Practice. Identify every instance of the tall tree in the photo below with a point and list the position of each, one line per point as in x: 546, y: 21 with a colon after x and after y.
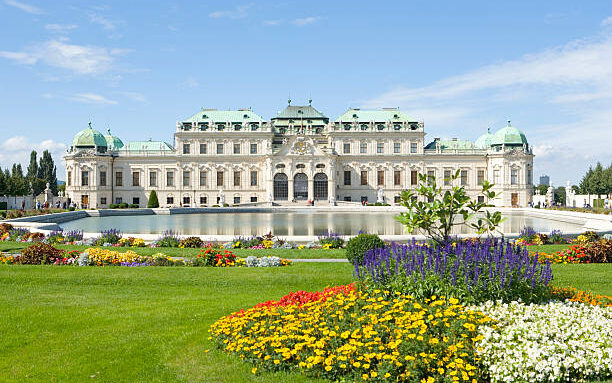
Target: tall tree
x: 598, y: 181
x: 585, y: 183
x: 18, y: 184
x: 36, y: 183
x: 47, y: 171
x: 3, y: 183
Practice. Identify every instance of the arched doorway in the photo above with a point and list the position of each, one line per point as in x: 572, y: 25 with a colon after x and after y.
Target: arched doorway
x: 300, y: 186
x: 320, y: 186
x: 281, y: 187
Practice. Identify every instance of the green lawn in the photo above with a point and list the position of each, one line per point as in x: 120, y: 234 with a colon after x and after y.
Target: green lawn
x: 284, y: 253
x: 119, y: 324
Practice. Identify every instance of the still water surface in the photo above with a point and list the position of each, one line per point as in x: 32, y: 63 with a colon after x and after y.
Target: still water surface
x: 297, y: 223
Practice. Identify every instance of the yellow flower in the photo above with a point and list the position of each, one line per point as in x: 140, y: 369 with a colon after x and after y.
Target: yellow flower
x: 254, y: 370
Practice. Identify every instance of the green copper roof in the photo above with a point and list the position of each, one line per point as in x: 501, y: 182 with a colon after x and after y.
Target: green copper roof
x: 510, y: 136
x: 297, y: 112
x: 88, y: 138
x: 213, y: 115
x: 113, y: 142
x: 484, y: 141
x: 147, y: 146
x: 452, y: 144
x: 383, y: 115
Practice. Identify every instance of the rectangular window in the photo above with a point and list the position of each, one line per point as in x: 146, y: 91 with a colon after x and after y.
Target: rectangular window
x: 203, y: 200
x: 480, y: 199
x: 529, y: 176
x: 169, y: 200
x: 347, y: 198
x: 84, y: 178
x: 396, y: 147
x: 396, y: 199
x: 464, y: 177
x: 219, y: 148
x: 513, y: 177
x: 236, y: 148
x: 397, y: 177
x: 447, y: 177
x: 186, y: 201
x: 254, y: 178
x: 413, y: 147
x: 236, y: 178
x: 186, y: 148
x: 186, y: 178
x: 152, y: 178
x: 380, y: 147
x: 431, y: 177
x: 170, y: 178
x: 480, y: 177
x: 219, y: 178
x: 380, y: 177
x: 103, y: 201
x: 347, y: 148
x: 496, y: 176
x: 203, y: 178
x: 236, y: 200
x: 136, y: 201
x: 102, y: 178
x: 135, y: 178
x: 253, y: 199
x: 253, y: 148
x: 414, y: 177
x: 119, y: 178
x: 203, y: 148
x: 347, y: 177
x: 363, y: 147
x: 118, y: 200
x: 364, y: 177
x: 69, y: 178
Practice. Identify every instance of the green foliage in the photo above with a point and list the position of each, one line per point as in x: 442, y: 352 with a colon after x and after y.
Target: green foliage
x: 133, y: 206
x: 597, y: 181
x: 357, y: 246
x: 153, y: 202
x: 123, y: 205
x: 39, y: 253
x: 435, y: 212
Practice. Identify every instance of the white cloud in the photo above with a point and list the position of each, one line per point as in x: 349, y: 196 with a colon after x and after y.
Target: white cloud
x: 80, y: 59
x: 239, y: 12
x: 92, y: 98
x: 24, y: 7
x: 17, y: 149
x: 562, y: 97
x: 305, y: 21
x: 96, y: 18
x: 60, y: 28
x: 134, y: 96
x: 272, y: 22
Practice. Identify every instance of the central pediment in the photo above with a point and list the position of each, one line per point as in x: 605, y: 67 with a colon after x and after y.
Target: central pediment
x: 300, y: 146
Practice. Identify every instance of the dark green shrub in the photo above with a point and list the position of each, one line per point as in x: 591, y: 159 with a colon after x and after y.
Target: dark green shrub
x: 153, y: 202
x: 226, y: 205
x: 191, y: 242
x: 357, y: 246
x: 113, y: 206
x: 599, y: 251
x: 39, y: 253
x: 71, y: 208
x: 134, y: 206
x: 123, y: 205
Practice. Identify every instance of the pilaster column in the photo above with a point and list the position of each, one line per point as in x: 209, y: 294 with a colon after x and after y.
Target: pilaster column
x: 331, y: 189
x: 311, y: 188
x: 290, y: 189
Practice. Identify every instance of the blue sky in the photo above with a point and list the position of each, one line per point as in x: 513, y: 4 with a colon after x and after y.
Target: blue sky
x: 139, y: 66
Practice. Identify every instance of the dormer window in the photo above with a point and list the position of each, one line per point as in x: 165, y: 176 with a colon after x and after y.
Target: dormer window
x: 395, y: 116
x: 380, y: 127
x: 204, y: 117
x: 291, y: 121
x: 237, y: 127
x: 354, y: 115
x: 413, y: 126
x: 204, y: 126
x: 253, y: 126
x: 245, y: 116
x: 220, y: 127
x: 347, y: 127
x: 397, y: 126
x: 364, y: 127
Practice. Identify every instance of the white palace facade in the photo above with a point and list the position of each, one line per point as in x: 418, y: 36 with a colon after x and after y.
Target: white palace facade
x: 237, y: 157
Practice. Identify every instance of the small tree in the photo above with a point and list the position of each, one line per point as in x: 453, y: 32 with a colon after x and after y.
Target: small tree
x: 153, y: 202
x: 435, y: 211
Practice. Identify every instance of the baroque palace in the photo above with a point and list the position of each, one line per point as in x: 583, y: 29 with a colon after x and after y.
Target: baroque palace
x: 237, y: 157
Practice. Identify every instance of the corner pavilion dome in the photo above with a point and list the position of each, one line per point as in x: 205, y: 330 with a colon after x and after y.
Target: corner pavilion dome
x: 112, y: 142
x: 89, y: 139
x: 484, y: 141
x: 509, y: 136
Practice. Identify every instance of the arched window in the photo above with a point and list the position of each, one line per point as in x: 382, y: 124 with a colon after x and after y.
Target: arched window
x: 397, y: 127
x: 380, y: 127
x: 300, y: 186
x: 281, y: 187
x: 364, y: 126
x: 237, y: 127
x: 320, y: 186
x: 347, y: 126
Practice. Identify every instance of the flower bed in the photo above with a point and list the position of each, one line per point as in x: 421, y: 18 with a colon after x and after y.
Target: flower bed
x: 552, y: 342
x: 353, y: 335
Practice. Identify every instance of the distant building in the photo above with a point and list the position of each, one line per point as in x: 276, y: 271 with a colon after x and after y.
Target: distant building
x: 545, y: 180
x: 299, y: 154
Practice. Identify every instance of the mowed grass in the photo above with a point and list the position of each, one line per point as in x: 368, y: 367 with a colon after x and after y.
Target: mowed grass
x: 283, y: 253
x: 119, y: 324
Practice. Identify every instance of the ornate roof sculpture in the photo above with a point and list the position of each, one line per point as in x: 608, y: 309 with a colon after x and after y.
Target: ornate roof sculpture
x: 112, y: 142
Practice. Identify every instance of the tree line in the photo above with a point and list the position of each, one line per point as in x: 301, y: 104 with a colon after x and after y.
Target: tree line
x: 14, y: 182
x: 597, y: 180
